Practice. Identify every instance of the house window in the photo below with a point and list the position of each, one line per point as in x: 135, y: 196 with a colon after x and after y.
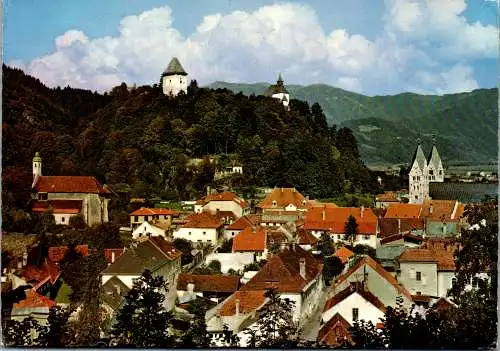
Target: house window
x: 419, y: 276
x: 43, y: 196
x: 440, y: 172
x: 62, y: 219
x: 366, y: 237
x: 355, y: 314
x: 204, y: 233
x: 189, y: 233
x: 136, y: 218
x: 453, y: 281
x: 233, y: 233
x: 419, y: 293
x: 431, y: 172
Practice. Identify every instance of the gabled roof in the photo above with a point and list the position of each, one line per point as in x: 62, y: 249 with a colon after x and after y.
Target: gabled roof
x: 113, y: 292
x: 204, y: 220
x: 404, y: 211
x: 441, y: 210
x: 149, y: 254
x: 282, y: 271
x: 250, y: 239
x: 443, y: 304
x: 225, y: 196
x: 144, y: 211
x: 355, y: 287
x: 69, y: 184
x: 47, y: 271
x: 434, y: 158
x: 367, y: 260
x: 174, y: 67
x: 344, y: 254
x: 417, y: 255
x: 283, y: 197
x: 34, y: 300
x: 305, y: 237
x: 58, y: 206
x: 240, y: 224
x: 333, y: 219
x: 249, y: 301
x: 419, y: 158
x: 334, y: 332
x: 209, y: 283
x: 443, y: 251
x: 315, y: 203
x: 56, y: 254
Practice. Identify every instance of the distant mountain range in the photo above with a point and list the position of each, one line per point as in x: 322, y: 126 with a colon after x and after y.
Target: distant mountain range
x: 464, y: 125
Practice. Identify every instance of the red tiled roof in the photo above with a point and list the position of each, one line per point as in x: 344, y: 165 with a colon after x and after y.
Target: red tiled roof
x: 306, y: 238
x: 388, y: 196
x: 209, y: 283
x: 144, y: 211
x: 283, y: 198
x: 334, y: 332
x: 69, y: 184
x: 250, y: 239
x: 241, y: 223
x: 108, y: 254
x: 443, y: 251
x: 204, y: 220
x: 249, y: 301
x: 34, y: 300
x: 58, y: 206
x: 56, y: 254
x: 282, y: 271
x: 404, y: 211
x: 47, y: 271
x: 225, y: 196
x: 354, y: 287
x: 417, y: 255
x: 334, y: 219
x: 275, y: 237
x: 314, y: 203
x: 377, y: 268
x: 344, y: 254
x: 441, y: 209
x: 391, y: 226
x: 167, y: 248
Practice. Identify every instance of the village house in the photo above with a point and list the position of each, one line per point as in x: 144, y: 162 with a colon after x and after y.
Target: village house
x: 213, y: 287
x: 344, y: 254
x: 282, y: 199
x: 35, y: 305
x: 241, y: 223
x: 332, y: 221
x: 225, y: 201
x: 202, y: 227
x: 252, y: 239
x: 386, y: 199
x: 68, y: 196
x: 151, y: 228
x: 296, y: 274
x: 145, y: 214
x: 155, y: 254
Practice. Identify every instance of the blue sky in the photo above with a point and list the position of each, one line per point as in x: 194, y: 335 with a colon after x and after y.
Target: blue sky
x: 369, y: 46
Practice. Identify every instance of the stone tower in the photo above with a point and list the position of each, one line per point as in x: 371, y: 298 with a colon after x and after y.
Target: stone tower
x: 435, y: 167
x: 37, y: 165
x: 418, y: 179
x: 174, y: 78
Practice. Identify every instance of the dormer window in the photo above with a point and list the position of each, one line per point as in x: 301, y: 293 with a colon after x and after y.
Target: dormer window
x: 275, y: 203
x: 43, y: 196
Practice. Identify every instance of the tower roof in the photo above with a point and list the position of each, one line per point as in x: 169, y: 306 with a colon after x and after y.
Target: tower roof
x: 277, y: 88
x: 419, y: 157
x: 174, y: 67
x: 434, y: 158
x: 37, y: 157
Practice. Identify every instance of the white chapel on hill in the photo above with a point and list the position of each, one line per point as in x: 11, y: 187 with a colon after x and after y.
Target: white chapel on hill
x: 278, y: 91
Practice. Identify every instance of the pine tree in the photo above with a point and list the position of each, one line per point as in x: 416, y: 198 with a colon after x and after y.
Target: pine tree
x: 351, y: 230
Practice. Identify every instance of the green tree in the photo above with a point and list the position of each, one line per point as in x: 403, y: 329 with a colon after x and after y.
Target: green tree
x: 227, y: 246
x: 332, y: 267
x: 326, y: 245
x: 143, y: 320
x: 21, y: 333
x: 196, y: 335
x: 274, y: 327
x: 185, y: 247
x: 57, y: 333
x: 215, y: 266
x: 351, y: 230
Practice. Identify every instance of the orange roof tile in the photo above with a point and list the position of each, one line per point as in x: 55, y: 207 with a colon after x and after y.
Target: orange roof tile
x: 69, y: 184
x: 404, y: 211
x: 204, y: 220
x: 108, y: 254
x: 417, y: 255
x: 249, y: 301
x: 250, y: 239
x: 388, y: 196
x: 377, y: 268
x: 225, y: 196
x: 241, y: 223
x: 443, y: 251
x: 439, y: 209
x: 144, y: 211
x: 283, y: 197
x: 315, y: 203
x: 34, y: 300
x: 47, y: 271
x: 335, y: 332
x: 344, y: 254
x: 334, y: 219
x: 209, y: 283
x: 56, y: 254
x: 282, y: 271
x: 58, y: 206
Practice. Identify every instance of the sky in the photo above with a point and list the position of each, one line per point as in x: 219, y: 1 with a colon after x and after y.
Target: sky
x: 372, y: 47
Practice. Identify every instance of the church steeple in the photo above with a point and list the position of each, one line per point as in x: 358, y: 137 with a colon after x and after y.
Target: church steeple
x: 280, y: 80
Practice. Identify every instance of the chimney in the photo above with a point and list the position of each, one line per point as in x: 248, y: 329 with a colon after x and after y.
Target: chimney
x: 362, y: 210
x: 399, y: 225
x: 430, y: 209
x: 237, y: 306
x: 302, y: 266
x: 323, y: 214
x: 112, y: 256
x: 190, y: 287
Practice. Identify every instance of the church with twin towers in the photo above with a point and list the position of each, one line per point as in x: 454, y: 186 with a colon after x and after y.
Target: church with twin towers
x: 424, y: 171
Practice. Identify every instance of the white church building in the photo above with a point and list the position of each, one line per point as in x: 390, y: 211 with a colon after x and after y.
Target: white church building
x: 174, y: 79
x: 422, y: 173
x: 278, y: 91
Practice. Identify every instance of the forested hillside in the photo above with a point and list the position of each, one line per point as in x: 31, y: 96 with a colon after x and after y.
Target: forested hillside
x: 140, y: 141
x: 464, y: 125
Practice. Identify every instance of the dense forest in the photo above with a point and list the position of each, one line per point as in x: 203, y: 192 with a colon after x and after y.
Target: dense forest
x: 138, y: 141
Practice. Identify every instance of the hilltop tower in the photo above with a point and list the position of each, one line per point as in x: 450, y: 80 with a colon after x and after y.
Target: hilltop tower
x: 174, y: 78
x: 418, y: 180
x: 278, y: 91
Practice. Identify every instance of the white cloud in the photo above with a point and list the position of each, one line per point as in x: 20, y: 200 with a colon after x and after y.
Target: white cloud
x: 288, y: 38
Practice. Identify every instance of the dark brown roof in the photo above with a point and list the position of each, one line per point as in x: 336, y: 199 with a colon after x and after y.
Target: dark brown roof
x: 69, y: 184
x: 113, y: 292
x: 406, y: 236
x: 209, y: 283
x: 355, y: 287
x: 391, y: 226
x: 282, y: 271
x: 334, y: 332
x: 306, y: 238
